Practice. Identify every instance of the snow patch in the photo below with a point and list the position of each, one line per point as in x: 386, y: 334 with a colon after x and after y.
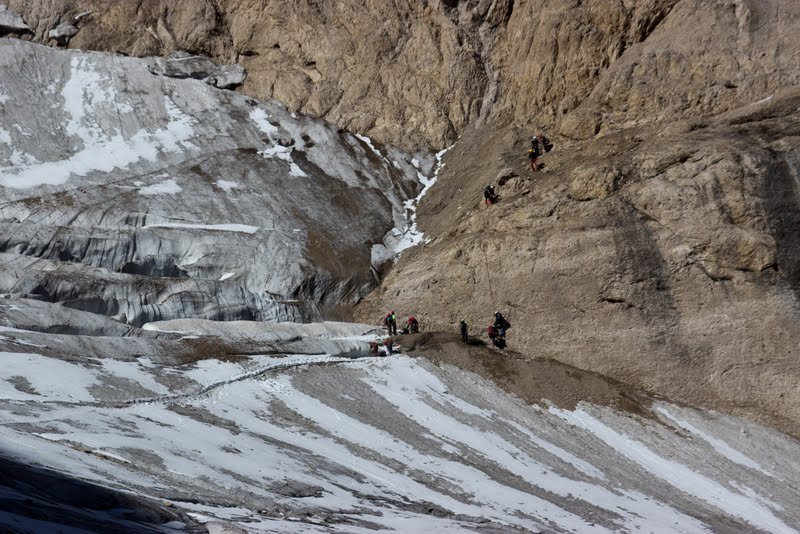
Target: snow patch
x: 226, y: 276
x: 167, y: 187
x: 278, y: 151
x: 243, y: 228
x: 679, y: 476
x: 367, y: 141
x: 259, y: 116
x: 723, y: 448
x: 226, y: 185
x: 84, y: 93
x: 50, y: 378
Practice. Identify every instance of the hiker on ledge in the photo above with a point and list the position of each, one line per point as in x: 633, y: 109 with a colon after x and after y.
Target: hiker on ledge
x: 463, y: 327
x: 489, y: 196
x: 539, y: 145
x: 413, y: 325
x: 390, y: 322
x: 500, y: 324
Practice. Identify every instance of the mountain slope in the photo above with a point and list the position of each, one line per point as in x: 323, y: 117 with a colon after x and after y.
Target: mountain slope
x: 324, y: 443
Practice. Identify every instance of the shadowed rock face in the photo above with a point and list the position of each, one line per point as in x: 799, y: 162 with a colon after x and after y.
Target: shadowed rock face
x: 145, y: 198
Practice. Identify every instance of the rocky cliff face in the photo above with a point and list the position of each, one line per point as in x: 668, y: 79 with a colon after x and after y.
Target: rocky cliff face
x: 662, y: 257
x: 657, y: 246
x: 418, y: 73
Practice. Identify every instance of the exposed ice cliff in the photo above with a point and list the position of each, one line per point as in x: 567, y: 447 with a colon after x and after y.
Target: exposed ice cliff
x: 145, y: 197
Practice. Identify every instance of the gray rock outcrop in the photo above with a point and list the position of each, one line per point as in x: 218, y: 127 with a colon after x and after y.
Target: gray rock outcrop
x: 11, y: 23
x: 63, y: 33
x: 182, y: 65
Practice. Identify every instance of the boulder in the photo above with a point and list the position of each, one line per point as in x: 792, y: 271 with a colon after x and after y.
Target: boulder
x: 63, y: 33
x: 505, y: 175
x: 11, y: 23
x: 182, y: 65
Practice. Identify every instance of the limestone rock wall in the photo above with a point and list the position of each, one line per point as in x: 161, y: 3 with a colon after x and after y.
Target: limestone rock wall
x: 665, y: 258
x: 418, y: 73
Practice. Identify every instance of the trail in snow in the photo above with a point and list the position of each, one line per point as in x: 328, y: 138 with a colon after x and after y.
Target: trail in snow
x: 293, y: 362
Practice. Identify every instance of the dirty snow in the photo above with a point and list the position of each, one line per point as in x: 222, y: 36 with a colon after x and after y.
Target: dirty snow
x: 167, y: 187
x: 244, y: 228
x: 407, y: 235
x: 721, y: 446
x: 753, y: 511
x: 369, y: 433
x: 226, y: 185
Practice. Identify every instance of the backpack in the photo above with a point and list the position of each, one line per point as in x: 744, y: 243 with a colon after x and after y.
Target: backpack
x: 548, y: 145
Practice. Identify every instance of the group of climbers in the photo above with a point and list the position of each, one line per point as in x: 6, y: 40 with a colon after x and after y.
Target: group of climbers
x: 540, y: 145
x: 390, y: 323
x: 496, y: 330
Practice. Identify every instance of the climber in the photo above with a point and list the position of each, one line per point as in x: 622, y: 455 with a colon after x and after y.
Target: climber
x: 539, y: 143
x: 413, y: 325
x: 489, y: 196
x: 494, y: 335
x: 373, y: 348
x: 500, y: 324
x: 390, y: 322
x: 534, y: 152
x: 389, y: 344
x: 463, y: 327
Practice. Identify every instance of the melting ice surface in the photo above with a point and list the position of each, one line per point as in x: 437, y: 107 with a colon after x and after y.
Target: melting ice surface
x: 377, y: 441
x: 406, y: 234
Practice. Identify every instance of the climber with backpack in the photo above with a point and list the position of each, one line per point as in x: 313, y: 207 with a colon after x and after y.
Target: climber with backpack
x: 539, y: 145
x: 501, y: 324
x: 494, y: 335
x: 489, y: 196
x: 412, y: 325
x: 390, y: 322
